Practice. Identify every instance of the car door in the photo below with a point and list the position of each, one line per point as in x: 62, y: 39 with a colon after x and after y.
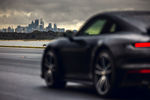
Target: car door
x: 77, y: 53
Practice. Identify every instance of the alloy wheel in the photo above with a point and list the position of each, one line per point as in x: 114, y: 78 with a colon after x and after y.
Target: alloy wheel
x: 103, y: 73
x: 49, y: 68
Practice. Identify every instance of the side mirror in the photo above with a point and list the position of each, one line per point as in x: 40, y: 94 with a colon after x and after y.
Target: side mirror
x: 69, y: 35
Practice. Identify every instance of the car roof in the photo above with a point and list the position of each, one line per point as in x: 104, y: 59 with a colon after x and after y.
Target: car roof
x: 139, y: 19
x: 125, y: 19
x: 126, y: 13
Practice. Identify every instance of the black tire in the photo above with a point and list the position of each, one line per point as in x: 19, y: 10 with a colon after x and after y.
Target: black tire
x: 105, y: 74
x: 51, y: 71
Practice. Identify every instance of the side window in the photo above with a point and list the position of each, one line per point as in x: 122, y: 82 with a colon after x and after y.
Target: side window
x: 113, y: 28
x: 95, y: 28
x: 110, y: 27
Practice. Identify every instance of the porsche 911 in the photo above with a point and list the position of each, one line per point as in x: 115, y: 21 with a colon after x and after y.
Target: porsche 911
x: 110, y: 51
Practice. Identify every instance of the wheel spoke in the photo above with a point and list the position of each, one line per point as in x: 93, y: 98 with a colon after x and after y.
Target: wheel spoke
x: 103, y: 84
x: 49, y: 61
x: 104, y: 72
x: 106, y: 84
x: 99, y: 67
x: 108, y: 72
x: 100, y: 83
x: 97, y: 72
x: 108, y: 66
x: 50, y: 54
x: 49, y: 77
x: 49, y: 66
x: 49, y: 71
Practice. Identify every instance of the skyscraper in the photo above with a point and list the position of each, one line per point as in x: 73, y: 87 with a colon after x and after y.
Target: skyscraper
x: 36, y: 23
x: 41, y: 22
x: 49, y: 28
x: 41, y: 25
x: 55, y: 28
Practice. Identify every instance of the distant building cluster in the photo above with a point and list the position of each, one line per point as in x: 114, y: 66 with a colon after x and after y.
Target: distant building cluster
x: 35, y: 25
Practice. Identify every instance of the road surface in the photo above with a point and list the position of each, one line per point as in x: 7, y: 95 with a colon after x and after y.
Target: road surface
x: 20, y: 80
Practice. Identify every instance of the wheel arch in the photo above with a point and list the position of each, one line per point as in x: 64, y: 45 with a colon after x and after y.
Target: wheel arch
x: 49, y: 47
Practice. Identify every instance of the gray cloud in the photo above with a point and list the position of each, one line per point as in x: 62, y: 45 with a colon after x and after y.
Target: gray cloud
x: 66, y: 12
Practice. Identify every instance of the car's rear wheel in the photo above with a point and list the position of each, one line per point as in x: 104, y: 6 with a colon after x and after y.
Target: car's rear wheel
x: 104, y: 74
x: 51, y: 71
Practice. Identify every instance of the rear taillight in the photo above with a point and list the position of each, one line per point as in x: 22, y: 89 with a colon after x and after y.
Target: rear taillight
x: 140, y: 45
x: 142, y: 71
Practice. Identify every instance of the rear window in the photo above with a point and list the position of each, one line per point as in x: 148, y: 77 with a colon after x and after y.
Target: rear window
x: 142, y: 18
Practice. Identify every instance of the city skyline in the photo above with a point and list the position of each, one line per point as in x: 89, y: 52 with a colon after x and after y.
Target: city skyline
x: 37, y: 24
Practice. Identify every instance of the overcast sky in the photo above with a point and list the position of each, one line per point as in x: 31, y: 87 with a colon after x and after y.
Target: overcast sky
x: 70, y: 14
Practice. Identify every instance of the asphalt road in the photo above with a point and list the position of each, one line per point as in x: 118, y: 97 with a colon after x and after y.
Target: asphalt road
x: 20, y: 80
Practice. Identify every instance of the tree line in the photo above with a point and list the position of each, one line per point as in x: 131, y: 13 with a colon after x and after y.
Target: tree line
x: 36, y: 35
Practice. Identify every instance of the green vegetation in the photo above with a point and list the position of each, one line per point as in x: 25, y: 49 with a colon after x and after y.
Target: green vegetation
x: 36, y: 35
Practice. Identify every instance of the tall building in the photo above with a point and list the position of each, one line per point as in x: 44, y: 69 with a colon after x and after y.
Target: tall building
x: 36, y: 23
x: 30, y: 27
x: 49, y: 28
x: 42, y: 22
x: 55, y: 28
x: 18, y: 29
x: 50, y: 25
x: 10, y: 29
x: 41, y: 25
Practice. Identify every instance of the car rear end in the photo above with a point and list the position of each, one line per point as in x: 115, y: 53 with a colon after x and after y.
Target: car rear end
x: 136, y: 64
x: 135, y: 58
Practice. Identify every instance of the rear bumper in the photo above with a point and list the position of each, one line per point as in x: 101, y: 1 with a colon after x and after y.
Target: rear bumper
x: 135, y: 75
x: 130, y: 63
x: 136, y: 80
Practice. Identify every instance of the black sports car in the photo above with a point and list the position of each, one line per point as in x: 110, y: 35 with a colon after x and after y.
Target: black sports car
x: 110, y: 51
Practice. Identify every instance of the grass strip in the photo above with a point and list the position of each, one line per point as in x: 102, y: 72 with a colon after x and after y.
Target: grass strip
x: 21, y: 46
x: 26, y: 40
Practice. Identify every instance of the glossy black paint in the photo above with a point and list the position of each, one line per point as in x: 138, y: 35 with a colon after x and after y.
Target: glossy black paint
x: 76, y: 56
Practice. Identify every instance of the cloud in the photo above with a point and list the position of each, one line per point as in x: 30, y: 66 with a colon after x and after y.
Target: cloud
x: 63, y: 12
